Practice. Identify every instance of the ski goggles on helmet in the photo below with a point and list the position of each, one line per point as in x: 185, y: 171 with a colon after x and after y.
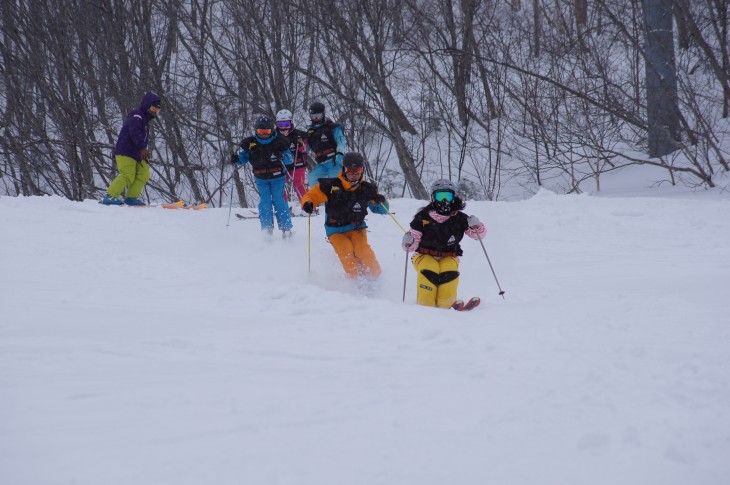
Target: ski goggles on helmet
x: 443, y: 195
x: 316, y: 117
x: 354, y: 170
x: 157, y: 104
x: 284, y: 125
x: 263, y: 132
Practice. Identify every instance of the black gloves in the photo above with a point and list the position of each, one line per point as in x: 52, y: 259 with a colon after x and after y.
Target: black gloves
x: 308, y: 207
x: 234, y: 158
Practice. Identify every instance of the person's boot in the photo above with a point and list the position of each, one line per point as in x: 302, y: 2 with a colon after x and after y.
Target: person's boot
x: 109, y: 200
x: 134, y: 201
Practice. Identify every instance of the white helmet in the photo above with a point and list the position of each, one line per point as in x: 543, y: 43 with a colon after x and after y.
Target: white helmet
x: 284, y: 115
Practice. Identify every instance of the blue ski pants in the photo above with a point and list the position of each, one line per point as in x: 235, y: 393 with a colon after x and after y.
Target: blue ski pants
x: 271, y: 195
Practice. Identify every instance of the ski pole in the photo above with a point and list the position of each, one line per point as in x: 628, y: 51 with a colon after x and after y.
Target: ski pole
x: 501, y: 291
x: 405, y: 275
x: 392, y: 217
x: 230, y: 203
x: 288, y: 178
x: 294, y: 173
x: 309, y: 243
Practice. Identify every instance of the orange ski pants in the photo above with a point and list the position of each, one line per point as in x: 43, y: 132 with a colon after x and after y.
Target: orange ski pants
x: 356, y: 255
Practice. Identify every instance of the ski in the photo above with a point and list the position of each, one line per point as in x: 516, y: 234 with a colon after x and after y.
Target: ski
x: 181, y: 205
x: 173, y: 205
x: 147, y: 206
x: 196, y: 207
x: 460, y: 306
x: 255, y: 215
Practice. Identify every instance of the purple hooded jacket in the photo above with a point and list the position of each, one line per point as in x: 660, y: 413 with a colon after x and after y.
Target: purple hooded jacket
x: 135, y: 132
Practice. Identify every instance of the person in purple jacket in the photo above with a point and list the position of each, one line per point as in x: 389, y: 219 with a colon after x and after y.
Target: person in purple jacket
x: 131, y: 153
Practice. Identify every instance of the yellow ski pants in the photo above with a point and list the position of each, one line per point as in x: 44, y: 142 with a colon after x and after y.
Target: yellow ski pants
x: 132, y: 174
x: 438, y: 280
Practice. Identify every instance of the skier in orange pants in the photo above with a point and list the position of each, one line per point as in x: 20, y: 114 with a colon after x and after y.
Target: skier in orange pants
x: 347, y: 199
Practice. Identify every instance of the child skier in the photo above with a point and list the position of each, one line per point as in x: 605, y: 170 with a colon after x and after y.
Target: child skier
x: 298, y: 147
x: 270, y: 159
x: 347, y: 199
x: 435, y: 233
x: 326, y: 142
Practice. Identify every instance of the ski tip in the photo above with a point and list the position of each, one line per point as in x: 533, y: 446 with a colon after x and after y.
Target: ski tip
x: 458, y: 305
x: 462, y: 306
x: 472, y: 303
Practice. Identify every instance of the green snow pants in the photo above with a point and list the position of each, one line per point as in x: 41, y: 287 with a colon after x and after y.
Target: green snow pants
x: 132, y: 174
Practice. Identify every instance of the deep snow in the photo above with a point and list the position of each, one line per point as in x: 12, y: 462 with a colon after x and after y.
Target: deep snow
x: 147, y: 346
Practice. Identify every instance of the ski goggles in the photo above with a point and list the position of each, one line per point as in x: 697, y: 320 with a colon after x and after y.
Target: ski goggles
x: 284, y: 125
x: 354, y: 170
x: 443, y: 195
x: 263, y: 132
x: 316, y: 117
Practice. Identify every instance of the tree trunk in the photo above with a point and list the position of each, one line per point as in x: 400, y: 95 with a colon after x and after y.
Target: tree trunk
x: 661, y: 79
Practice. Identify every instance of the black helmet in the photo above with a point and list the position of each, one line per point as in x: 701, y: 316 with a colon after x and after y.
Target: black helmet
x: 443, y: 192
x: 353, y: 160
x: 264, y: 123
x: 316, y: 108
x: 353, y: 165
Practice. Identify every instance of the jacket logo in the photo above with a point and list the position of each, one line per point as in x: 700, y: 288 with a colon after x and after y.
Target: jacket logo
x: 251, y: 145
x: 324, y: 137
x: 452, y: 240
x: 357, y: 206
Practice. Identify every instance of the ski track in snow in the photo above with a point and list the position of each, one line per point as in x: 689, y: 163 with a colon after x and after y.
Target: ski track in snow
x: 150, y: 346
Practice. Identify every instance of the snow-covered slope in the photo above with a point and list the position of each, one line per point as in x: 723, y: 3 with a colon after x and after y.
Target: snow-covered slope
x: 146, y: 346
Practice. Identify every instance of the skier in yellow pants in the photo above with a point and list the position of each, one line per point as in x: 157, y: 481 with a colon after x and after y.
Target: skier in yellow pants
x: 132, y: 174
x: 435, y: 233
x: 438, y: 280
x: 131, y: 153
